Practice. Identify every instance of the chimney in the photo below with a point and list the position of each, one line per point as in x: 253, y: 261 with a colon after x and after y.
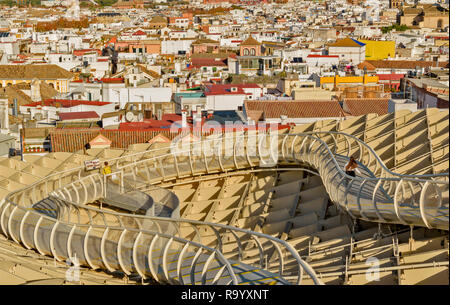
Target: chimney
x: 35, y: 90
x: 197, y: 116
x: 4, y: 123
x: 183, y: 118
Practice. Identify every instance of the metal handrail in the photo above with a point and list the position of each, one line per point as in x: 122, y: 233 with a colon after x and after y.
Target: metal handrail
x: 229, y: 229
x: 312, y: 159
x: 370, y: 149
x: 91, y: 226
x: 81, y: 168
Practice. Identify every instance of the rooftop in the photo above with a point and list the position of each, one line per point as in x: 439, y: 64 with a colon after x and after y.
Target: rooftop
x: 40, y: 71
x: 67, y: 116
x: 296, y: 109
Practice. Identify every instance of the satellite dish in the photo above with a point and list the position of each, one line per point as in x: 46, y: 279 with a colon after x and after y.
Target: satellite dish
x: 129, y: 116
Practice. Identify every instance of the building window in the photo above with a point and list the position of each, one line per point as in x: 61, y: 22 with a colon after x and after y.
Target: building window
x: 245, y: 52
x: 253, y: 52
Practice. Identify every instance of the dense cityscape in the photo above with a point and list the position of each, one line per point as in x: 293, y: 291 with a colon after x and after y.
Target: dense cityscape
x: 96, y: 97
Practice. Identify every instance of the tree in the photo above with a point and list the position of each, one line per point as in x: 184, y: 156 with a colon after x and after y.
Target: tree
x: 397, y: 27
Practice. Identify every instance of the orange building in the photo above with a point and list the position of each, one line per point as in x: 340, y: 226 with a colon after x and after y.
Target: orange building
x: 250, y: 47
x: 331, y: 82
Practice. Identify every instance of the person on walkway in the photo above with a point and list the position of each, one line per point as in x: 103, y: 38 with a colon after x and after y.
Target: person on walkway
x: 351, y: 167
x: 106, y: 169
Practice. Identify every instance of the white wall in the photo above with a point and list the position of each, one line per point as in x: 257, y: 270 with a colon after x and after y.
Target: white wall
x: 149, y: 95
x: 173, y: 46
x: 224, y: 102
x: 353, y: 54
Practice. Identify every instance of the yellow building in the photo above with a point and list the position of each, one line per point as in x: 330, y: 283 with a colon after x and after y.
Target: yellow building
x: 329, y: 82
x: 376, y: 50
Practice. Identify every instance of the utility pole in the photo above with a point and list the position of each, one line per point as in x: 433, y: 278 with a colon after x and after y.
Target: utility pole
x: 21, y: 141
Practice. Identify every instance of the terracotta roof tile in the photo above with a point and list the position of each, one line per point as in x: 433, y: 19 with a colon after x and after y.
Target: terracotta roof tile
x: 362, y: 106
x: 398, y: 64
x: 347, y: 42
x: 296, y: 109
x: 64, y: 116
x: 45, y: 71
x: 250, y: 42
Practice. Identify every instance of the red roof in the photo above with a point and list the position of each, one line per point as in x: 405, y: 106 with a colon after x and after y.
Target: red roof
x: 112, y: 40
x: 82, y: 52
x: 362, y: 106
x: 65, y: 103
x: 64, y: 116
x: 293, y: 109
x: 115, y: 80
x: 225, y: 89
x: 171, y: 117
x: 139, y: 33
x: 147, y: 124
x: 207, y: 62
x: 111, y: 80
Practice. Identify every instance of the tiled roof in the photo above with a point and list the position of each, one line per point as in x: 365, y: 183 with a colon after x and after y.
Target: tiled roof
x: 362, y: 106
x: 139, y: 33
x: 47, y: 91
x: 64, y: 116
x: 347, y: 42
x: 250, y: 42
x: 222, y: 90
x: 45, y: 71
x: 82, y: 52
x: 207, y: 62
x: 65, y: 103
x: 225, y: 89
x: 398, y: 64
x: 295, y: 109
x: 205, y: 40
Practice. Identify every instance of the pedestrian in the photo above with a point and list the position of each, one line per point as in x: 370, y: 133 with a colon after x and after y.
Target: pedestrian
x: 351, y: 167
x: 106, y: 169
